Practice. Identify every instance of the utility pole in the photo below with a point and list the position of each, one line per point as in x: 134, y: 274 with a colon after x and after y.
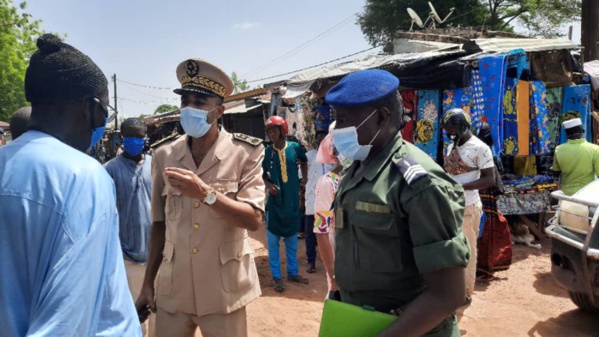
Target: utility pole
x: 590, y: 29
x: 116, y: 111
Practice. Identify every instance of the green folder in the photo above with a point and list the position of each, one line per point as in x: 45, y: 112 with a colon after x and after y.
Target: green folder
x: 346, y: 320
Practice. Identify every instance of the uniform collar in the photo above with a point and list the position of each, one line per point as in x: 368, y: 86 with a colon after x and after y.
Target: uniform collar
x: 214, y: 155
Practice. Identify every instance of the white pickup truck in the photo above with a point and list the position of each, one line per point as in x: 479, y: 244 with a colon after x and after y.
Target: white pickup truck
x: 574, y: 232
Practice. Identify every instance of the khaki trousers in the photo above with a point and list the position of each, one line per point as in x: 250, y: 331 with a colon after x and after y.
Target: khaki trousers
x: 135, y: 278
x: 470, y: 228
x: 215, y: 325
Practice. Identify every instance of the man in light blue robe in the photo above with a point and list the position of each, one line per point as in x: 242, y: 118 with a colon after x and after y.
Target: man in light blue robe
x: 61, y: 271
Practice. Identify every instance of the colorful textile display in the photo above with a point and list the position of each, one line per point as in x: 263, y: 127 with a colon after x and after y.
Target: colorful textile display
x: 554, y: 112
x: 510, y: 118
x: 492, y: 73
x: 523, y: 111
x: 577, y: 104
x: 526, y: 203
x: 539, y: 124
x: 322, y: 117
x: 409, y: 98
x: 427, y: 125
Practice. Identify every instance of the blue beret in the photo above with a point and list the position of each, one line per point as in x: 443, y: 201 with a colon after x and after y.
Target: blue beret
x: 362, y: 88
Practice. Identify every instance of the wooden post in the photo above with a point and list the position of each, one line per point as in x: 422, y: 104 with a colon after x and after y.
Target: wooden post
x: 570, y: 30
x: 590, y: 29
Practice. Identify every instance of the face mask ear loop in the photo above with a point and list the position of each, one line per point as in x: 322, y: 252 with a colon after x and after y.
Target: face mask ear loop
x: 367, y: 118
x: 373, y: 138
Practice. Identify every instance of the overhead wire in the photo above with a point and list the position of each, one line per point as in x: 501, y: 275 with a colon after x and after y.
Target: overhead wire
x: 311, y: 67
x: 302, y: 46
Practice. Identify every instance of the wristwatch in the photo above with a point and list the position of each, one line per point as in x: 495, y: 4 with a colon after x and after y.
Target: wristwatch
x: 210, y: 197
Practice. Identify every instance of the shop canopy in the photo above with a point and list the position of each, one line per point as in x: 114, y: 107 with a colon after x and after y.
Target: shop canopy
x: 415, y: 70
x: 445, y: 68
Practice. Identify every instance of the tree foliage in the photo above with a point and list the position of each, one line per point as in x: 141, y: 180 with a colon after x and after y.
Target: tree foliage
x: 165, y: 108
x: 542, y: 18
x: 18, y: 34
x: 382, y: 19
x: 239, y: 85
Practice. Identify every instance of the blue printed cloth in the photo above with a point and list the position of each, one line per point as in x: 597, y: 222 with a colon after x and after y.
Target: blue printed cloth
x: 577, y: 104
x: 492, y: 74
x: 541, y: 139
x: 322, y: 117
x: 470, y: 99
x: 427, y: 126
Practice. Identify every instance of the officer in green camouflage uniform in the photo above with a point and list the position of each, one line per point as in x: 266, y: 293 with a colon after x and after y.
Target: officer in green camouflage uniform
x: 399, y: 243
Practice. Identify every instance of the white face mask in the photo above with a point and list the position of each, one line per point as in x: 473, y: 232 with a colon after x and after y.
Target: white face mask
x: 346, y: 142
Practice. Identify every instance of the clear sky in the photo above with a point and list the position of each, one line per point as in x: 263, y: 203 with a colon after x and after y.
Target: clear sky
x: 144, y: 41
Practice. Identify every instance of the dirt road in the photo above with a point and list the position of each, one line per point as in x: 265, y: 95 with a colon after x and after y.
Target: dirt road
x: 524, y: 301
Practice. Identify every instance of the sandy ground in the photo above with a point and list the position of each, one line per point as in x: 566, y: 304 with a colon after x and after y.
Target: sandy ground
x: 524, y: 301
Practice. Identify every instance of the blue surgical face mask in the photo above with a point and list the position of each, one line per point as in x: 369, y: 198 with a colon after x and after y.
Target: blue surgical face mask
x: 97, y: 134
x: 133, y: 145
x: 195, y: 121
x: 346, y: 142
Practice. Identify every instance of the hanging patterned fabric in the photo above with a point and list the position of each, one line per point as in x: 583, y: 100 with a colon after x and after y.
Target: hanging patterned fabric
x: 554, y: 112
x: 322, y: 117
x: 539, y: 125
x: 510, y: 118
x: 523, y: 111
x: 518, y: 61
x: 470, y: 99
x: 492, y: 74
x: 427, y: 124
x: 410, y: 114
x: 577, y: 105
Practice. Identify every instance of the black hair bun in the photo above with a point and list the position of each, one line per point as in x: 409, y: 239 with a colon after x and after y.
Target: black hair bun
x: 49, y: 43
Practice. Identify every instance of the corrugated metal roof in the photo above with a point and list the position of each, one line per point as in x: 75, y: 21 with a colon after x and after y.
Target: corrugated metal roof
x: 368, y: 62
x: 502, y: 45
x: 241, y: 109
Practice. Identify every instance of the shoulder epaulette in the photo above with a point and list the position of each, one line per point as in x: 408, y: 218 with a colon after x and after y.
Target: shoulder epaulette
x: 165, y: 140
x: 409, y: 168
x: 242, y: 137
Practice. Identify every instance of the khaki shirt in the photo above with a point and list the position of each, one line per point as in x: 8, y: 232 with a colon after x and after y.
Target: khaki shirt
x: 208, y: 264
x: 398, y: 218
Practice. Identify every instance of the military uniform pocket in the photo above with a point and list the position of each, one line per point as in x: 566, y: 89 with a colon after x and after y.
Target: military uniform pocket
x: 174, y: 203
x: 378, y: 245
x: 165, y: 275
x: 237, y: 270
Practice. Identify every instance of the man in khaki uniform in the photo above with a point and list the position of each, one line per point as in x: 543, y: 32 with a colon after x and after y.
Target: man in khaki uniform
x: 207, y: 192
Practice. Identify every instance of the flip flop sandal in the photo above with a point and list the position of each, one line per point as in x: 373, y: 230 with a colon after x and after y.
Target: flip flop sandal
x: 298, y: 279
x: 279, y: 286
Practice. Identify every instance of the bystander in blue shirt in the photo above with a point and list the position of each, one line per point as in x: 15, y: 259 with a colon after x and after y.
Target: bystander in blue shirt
x: 133, y: 183
x: 61, y: 271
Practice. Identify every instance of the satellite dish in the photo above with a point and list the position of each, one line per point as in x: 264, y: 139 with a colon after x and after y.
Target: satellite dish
x: 436, y: 16
x: 415, y: 19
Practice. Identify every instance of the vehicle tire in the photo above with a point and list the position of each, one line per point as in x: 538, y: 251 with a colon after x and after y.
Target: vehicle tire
x: 583, y: 302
